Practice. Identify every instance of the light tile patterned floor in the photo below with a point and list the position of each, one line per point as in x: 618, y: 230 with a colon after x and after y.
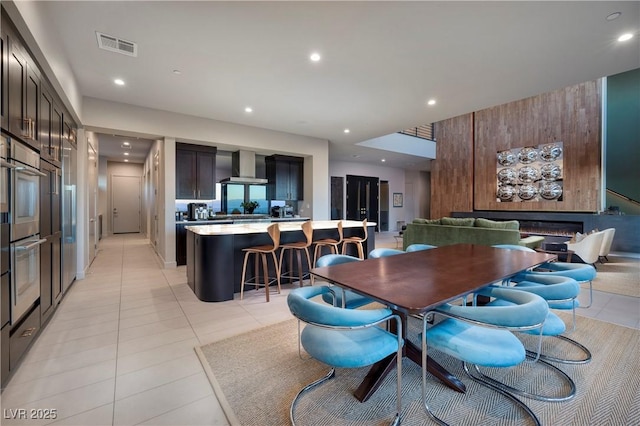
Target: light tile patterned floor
x: 119, y: 349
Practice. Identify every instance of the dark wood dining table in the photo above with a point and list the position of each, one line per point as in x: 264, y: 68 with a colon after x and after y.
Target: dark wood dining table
x: 417, y: 282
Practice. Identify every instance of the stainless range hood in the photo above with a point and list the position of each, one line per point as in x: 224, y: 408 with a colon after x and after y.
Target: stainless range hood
x: 243, y: 169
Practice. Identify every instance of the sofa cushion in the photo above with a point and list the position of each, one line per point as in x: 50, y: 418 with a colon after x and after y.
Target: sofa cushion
x: 427, y: 221
x: 457, y: 221
x: 494, y: 224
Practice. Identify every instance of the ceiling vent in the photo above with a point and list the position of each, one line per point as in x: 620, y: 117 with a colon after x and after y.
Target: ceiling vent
x: 115, y: 44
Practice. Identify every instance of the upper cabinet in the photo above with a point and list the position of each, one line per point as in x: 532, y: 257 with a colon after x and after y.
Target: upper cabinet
x: 195, y: 172
x: 23, y: 94
x: 285, y: 175
x: 4, y: 60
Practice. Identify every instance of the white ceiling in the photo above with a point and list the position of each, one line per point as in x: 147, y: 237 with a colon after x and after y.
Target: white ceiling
x: 381, y: 61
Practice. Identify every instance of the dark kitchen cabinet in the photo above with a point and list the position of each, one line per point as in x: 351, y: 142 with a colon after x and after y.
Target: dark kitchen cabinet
x: 23, y: 94
x: 285, y: 175
x: 4, y: 60
x: 50, y: 126
x: 195, y: 172
x: 50, y: 251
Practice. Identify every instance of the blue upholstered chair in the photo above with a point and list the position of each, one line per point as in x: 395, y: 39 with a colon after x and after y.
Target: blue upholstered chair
x: 418, y: 247
x: 578, y: 271
x: 344, y: 338
x: 560, y: 292
x: 344, y: 298
x: 481, y: 336
x: 383, y: 252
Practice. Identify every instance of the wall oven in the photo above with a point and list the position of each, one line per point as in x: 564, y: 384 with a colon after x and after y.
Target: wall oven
x: 25, y: 275
x: 25, y: 191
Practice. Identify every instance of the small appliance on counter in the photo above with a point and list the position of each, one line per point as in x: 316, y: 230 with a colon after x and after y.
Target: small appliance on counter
x: 197, y: 211
x: 282, y: 211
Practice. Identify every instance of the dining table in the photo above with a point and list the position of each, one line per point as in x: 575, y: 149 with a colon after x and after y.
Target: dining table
x: 415, y: 283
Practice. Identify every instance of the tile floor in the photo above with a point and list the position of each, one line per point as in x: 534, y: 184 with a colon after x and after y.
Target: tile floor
x: 119, y: 348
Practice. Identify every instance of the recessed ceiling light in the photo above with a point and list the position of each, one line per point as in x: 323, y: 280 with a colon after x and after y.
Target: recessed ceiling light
x: 383, y: 160
x: 177, y: 72
x: 431, y: 102
x: 315, y: 57
x: 625, y: 37
x: 347, y: 130
x: 119, y: 81
x: 355, y: 156
x: 126, y: 160
x: 126, y: 153
x: 125, y: 143
x: 248, y: 109
x: 613, y: 16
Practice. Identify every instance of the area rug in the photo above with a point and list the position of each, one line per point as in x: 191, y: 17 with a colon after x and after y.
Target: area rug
x: 620, y: 275
x: 257, y: 374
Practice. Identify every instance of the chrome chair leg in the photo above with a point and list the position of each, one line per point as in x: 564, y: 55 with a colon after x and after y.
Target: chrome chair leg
x: 330, y: 375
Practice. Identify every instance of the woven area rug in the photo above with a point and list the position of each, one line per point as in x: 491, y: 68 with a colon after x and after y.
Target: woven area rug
x: 620, y: 275
x: 257, y: 374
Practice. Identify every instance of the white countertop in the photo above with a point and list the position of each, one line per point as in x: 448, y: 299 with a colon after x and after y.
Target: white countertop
x: 256, y: 228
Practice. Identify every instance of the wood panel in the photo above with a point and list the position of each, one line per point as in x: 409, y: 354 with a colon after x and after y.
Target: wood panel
x: 452, y: 170
x: 571, y: 115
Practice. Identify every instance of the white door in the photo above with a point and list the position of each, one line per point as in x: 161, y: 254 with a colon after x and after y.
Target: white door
x: 125, y: 203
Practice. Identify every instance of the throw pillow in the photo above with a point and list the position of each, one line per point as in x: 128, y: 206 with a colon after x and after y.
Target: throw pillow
x: 494, y: 224
x: 457, y: 221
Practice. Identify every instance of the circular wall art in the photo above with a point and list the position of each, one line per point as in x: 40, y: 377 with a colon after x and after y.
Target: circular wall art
x: 507, y: 158
x: 528, y: 174
x: 550, y: 191
x: 507, y: 176
x: 550, y: 152
x: 506, y: 192
x: 550, y: 171
x: 527, y: 192
x: 528, y: 155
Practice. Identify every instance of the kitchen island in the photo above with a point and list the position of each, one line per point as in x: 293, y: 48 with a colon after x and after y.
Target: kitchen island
x: 181, y: 231
x: 215, y: 256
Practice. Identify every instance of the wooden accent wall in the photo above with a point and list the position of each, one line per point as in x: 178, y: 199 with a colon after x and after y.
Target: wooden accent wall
x: 463, y: 176
x: 571, y: 115
x: 452, y: 171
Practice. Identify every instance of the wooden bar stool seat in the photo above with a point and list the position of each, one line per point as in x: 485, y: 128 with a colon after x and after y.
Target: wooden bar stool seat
x: 298, y: 247
x: 332, y: 243
x: 261, y: 252
x: 357, y: 241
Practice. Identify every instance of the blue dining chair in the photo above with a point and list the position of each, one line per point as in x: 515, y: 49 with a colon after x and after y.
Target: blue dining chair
x: 344, y: 298
x: 383, y: 252
x: 344, y: 338
x: 560, y: 293
x: 580, y: 272
x: 481, y: 336
x: 418, y: 247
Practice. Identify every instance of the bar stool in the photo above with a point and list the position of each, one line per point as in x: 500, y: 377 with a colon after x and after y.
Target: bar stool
x: 332, y: 243
x: 299, y: 246
x: 274, y: 232
x: 357, y: 241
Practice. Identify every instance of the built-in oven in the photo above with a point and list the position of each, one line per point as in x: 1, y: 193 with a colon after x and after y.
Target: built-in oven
x: 25, y: 275
x: 25, y: 191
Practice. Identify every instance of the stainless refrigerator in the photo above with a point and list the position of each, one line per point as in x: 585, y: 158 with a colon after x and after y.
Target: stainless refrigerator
x: 69, y: 209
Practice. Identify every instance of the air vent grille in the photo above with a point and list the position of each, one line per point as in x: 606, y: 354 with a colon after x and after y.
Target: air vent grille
x: 115, y: 44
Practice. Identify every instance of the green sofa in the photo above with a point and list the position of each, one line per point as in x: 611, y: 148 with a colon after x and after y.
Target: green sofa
x: 447, y: 231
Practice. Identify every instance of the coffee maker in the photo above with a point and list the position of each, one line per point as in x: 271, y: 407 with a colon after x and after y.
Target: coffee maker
x: 197, y: 211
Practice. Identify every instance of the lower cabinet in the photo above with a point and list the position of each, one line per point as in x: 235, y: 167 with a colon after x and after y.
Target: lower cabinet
x: 50, y: 274
x: 4, y: 355
x: 22, y: 336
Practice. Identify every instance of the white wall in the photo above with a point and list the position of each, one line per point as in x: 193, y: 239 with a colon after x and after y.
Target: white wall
x: 103, y: 179
x: 395, y: 176
x: 418, y: 188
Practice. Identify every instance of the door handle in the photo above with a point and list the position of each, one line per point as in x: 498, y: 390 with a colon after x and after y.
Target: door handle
x: 29, y: 171
x: 6, y: 164
x: 32, y: 245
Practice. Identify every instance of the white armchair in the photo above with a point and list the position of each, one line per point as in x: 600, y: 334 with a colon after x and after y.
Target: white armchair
x: 588, y: 248
x: 606, y: 243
